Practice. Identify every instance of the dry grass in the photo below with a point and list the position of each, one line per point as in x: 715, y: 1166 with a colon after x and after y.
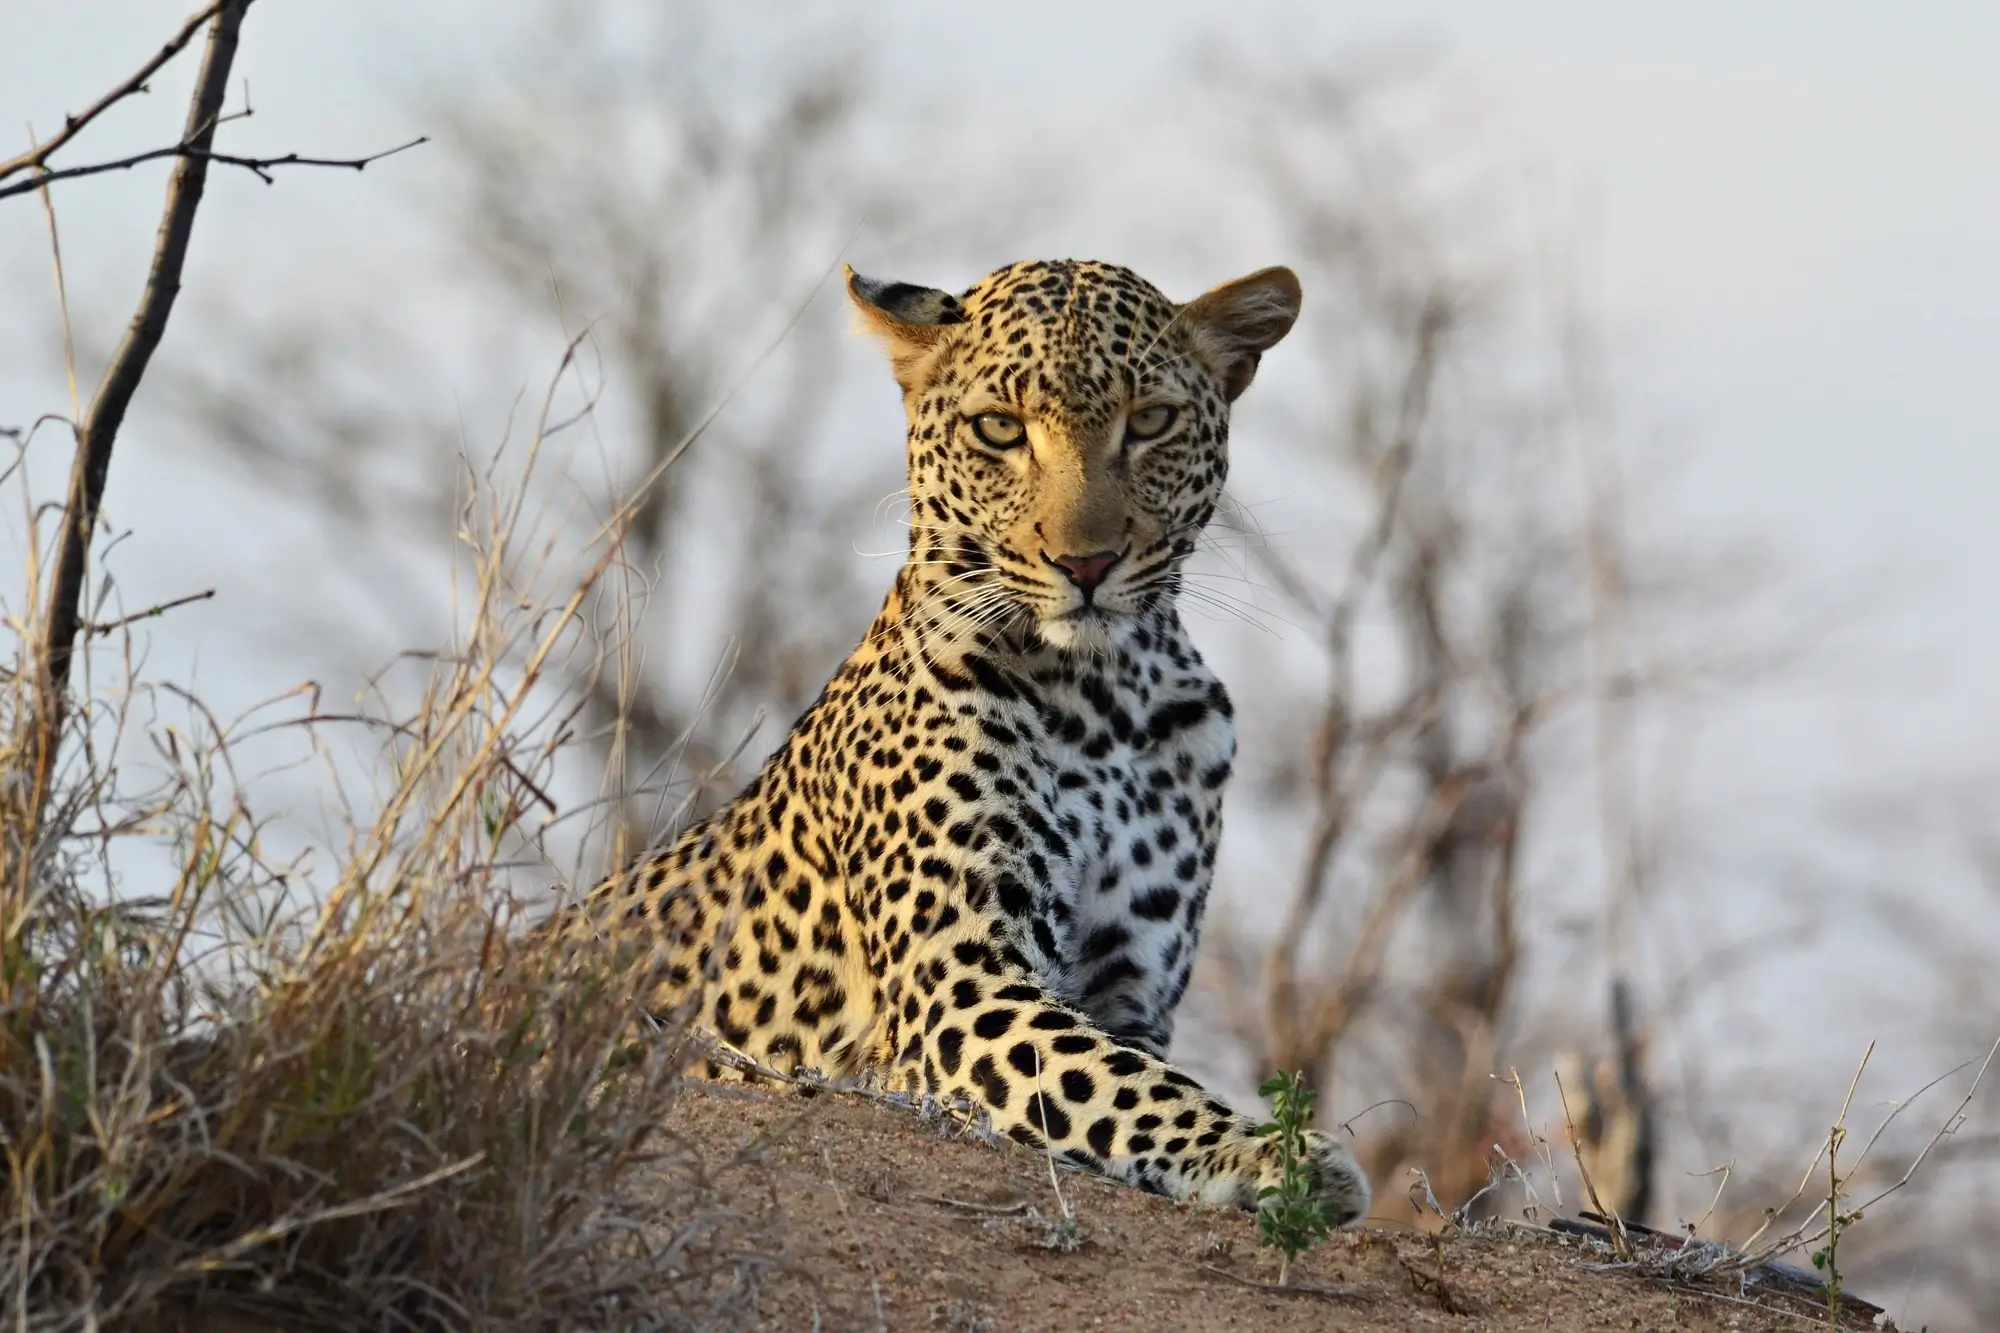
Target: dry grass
x: 348, y: 1097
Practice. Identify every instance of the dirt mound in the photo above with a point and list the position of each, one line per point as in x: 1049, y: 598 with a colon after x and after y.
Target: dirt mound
x: 877, y: 1221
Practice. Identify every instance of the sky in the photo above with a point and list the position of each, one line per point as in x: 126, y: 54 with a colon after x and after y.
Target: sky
x: 1783, y: 215
x: 1786, y: 211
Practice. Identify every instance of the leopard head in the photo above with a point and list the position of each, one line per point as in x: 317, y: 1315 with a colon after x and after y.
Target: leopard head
x: 1069, y: 437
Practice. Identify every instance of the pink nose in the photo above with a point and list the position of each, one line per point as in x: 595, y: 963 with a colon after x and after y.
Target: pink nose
x: 1086, y: 571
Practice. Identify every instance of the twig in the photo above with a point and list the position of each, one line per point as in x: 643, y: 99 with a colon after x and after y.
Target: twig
x: 157, y: 609
x: 1798, y: 1237
x: 1812, y: 1168
x: 1343, y: 999
x: 1332, y: 734
x: 63, y: 617
x: 1293, y: 1289
x: 62, y: 309
x: 1621, y: 1243
x: 1434, y: 1283
x: 994, y: 1209
x: 1541, y: 1144
x: 1726, y: 1170
x: 73, y: 125
x: 195, y: 151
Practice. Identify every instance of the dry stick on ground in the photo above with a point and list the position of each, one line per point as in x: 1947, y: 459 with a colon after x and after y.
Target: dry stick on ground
x: 1291, y: 1289
x: 995, y: 1209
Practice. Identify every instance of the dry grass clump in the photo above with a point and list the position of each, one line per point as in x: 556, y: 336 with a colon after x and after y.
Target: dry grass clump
x: 354, y: 1098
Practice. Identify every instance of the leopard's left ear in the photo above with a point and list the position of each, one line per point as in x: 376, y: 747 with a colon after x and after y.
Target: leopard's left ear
x: 1236, y: 323
x: 911, y: 321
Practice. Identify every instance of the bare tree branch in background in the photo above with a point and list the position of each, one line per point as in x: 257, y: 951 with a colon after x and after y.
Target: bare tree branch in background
x: 1482, y: 602
x: 1412, y: 795
x: 38, y: 156
x: 190, y: 151
x: 193, y: 145
x: 1336, y: 788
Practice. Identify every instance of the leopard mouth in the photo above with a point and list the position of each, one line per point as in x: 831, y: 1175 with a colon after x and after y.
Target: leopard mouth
x: 1087, y: 614
x: 1088, y: 629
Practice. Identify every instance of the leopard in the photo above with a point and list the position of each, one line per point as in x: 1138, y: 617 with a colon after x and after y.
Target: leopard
x: 975, y: 870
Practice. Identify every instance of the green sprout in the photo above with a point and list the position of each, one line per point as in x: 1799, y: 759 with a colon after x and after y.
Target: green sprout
x: 1288, y: 1218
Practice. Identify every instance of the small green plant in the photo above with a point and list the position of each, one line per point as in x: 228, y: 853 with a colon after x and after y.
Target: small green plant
x: 1288, y: 1218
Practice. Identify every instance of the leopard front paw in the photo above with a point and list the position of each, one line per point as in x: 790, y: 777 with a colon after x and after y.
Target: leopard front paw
x: 1336, y: 1179
x: 1239, y: 1172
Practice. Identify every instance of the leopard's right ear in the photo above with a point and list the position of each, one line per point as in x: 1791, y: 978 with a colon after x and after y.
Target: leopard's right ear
x: 911, y: 321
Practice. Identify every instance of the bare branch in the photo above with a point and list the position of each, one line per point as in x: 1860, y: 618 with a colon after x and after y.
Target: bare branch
x: 1334, y: 801
x: 1800, y: 1236
x: 62, y: 619
x: 74, y: 125
x: 192, y: 151
x: 158, y: 609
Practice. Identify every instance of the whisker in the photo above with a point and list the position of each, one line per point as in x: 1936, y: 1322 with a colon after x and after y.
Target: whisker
x: 1199, y: 600
x: 1232, y: 578
x: 883, y: 504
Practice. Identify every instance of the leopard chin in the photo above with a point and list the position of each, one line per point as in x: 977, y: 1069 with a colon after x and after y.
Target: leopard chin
x: 1086, y: 632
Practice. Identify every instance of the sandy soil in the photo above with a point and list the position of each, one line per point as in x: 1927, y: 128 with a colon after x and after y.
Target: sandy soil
x: 883, y: 1224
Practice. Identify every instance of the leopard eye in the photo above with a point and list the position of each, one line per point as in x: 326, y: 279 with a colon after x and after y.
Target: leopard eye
x: 998, y: 430
x: 1149, y: 423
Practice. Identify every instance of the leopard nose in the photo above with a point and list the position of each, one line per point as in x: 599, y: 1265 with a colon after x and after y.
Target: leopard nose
x: 1085, y: 571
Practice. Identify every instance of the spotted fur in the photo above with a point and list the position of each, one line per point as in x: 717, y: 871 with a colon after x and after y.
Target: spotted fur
x: 978, y: 863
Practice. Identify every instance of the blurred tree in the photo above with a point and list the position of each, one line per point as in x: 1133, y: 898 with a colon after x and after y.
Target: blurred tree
x: 673, y: 200
x: 1487, y: 630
